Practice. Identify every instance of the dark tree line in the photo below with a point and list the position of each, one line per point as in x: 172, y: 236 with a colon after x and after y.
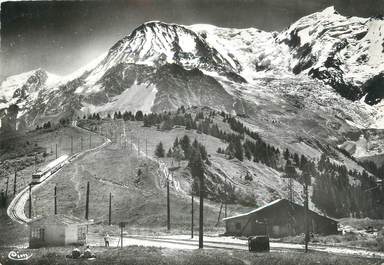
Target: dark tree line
x: 335, y: 195
x: 333, y: 190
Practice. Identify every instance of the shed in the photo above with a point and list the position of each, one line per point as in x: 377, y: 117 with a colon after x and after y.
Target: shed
x: 279, y: 218
x: 57, y: 230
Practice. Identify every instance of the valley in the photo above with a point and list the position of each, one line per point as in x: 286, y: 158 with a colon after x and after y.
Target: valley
x: 258, y: 115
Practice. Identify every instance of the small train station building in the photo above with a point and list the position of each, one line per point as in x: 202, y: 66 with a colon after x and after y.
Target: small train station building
x: 279, y: 218
x: 57, y: 230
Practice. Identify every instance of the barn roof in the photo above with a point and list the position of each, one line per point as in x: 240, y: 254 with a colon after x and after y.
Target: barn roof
x: 271, y: 204
x: 254, y: 211
x: 58, y: 219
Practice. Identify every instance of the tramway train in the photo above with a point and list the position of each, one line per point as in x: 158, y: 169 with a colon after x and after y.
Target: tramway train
x: 43, y: 173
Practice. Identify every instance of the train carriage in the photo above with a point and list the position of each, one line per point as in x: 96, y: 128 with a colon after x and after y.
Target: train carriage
x: 43, y: 173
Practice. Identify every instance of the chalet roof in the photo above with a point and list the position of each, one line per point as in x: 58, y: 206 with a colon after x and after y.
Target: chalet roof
x: 58, y: 219
x: 271, y: 204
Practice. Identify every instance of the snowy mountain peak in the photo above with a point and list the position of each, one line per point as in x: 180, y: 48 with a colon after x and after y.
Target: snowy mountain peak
x: 157, y: 43
x: 166, y: 65
x: 18, y: 88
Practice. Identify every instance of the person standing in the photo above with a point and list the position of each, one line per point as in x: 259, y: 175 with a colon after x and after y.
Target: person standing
x: 106, y: 240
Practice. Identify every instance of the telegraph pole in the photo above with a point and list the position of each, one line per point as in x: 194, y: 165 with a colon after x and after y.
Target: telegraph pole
x: 290, y: 189
x: 131, y: 142
x: 110, y: 209
x: 15, y: 184
x: 138, y: 147
x: 306, y: 216
x: 201, y: 220
x: 168, y: 207
x: 55, y: 198
x: 71, y: 144
x: 56, y: 150
x: 307, y: 181
x: 87, y: 202
x: 192, y: 216
x: 90, y: 140
x: 30, y: 200
x: 225, y: 196
x: 6, y: 192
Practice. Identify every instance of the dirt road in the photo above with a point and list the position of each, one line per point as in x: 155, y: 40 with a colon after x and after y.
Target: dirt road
x: 211, y: 242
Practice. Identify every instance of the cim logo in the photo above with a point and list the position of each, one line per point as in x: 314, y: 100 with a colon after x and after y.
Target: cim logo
x: 16, y: 255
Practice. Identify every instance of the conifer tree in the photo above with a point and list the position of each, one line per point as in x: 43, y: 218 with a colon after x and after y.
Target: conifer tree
x: 160, y: 152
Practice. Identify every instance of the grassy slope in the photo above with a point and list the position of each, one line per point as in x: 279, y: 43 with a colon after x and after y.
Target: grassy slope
x: 149, y: 255
x: 15, y: 234
x: 138, y: 201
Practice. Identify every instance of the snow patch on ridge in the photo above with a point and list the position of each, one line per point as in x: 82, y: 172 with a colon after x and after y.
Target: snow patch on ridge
x: 137, y: 97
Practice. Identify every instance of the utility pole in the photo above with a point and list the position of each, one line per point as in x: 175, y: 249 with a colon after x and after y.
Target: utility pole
x: 201, y: 220
x: 290, y: 189
x: 55, y: 198
x: 138, y: 147
x: 15, y: 184
x: 71, y: 144
x: 168, y: 207
x: 225, y: 196
x: 90, y: 140
x: 110, y: 209
x: 30, y: 200
x: 87, y: 202
x: 35, y: 162
x: 81, y: 143
x: 307, y: 181
x: 56, y: 150
x: 6, y: 192
x: 131, y: 142
x: 306, y: 217
x: 6, y: 187
x: 290, y: 173
x: 192, y: 216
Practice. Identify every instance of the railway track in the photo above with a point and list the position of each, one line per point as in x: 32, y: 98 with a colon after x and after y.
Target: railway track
x: 16, y: 208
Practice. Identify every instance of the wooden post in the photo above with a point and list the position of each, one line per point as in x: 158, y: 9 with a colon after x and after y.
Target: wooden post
x: 6, y: 188
x: 56, y: 150
x: 225, y: 196
x: 55, y: 200
x: 168, y: 207
x: 131, y: 143
x: 81, y: 143
x: 15, y: 184
x: 87, y: 203
x: 192, y: 216
x: 90, y: 140
x: 71, y: 144
x: 201, y: 217
x: 110, y: 209
x: 138, y: 147
x: 30, y: 200
x: 306, y: 239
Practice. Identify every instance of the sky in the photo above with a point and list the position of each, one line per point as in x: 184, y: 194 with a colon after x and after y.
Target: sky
x: 62, y: 36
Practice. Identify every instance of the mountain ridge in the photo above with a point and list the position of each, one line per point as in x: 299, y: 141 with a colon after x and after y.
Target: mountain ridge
x: 236, y: 58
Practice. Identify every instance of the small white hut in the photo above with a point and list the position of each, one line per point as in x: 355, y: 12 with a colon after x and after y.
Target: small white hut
x: 57, y: 230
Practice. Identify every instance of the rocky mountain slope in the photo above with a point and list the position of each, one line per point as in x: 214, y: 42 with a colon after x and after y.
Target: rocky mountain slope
x: 318, y: 80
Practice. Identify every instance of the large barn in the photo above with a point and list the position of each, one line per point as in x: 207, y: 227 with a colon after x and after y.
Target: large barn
x: 278, y: 219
